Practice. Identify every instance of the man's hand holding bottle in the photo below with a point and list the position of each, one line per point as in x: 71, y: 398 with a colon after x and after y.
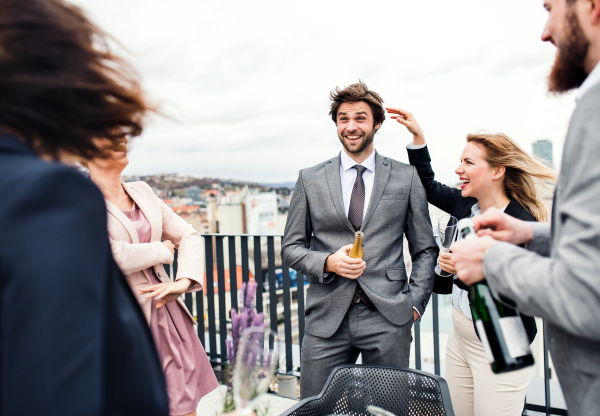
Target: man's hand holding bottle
x: 492, y: 226
x: 343, y: 265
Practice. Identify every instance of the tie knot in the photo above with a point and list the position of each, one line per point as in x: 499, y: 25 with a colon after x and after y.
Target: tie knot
x: 360, y: 169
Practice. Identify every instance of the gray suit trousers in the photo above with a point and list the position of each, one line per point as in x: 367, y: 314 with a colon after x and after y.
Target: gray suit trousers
x: 362, y: 331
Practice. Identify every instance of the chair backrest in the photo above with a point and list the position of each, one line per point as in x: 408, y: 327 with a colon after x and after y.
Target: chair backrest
x: 402, y: 391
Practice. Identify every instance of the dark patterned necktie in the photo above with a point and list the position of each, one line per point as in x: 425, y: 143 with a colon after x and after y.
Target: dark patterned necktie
x: 357, y: 200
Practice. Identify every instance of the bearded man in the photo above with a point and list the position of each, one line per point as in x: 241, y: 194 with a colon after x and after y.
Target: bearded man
x: 557, y: 277
x: 357, y: 306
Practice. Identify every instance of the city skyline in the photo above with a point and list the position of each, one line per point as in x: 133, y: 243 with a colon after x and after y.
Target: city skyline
x: 246, y: 84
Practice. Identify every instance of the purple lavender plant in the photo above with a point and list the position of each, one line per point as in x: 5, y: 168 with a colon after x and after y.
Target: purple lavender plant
x: 240, y: 321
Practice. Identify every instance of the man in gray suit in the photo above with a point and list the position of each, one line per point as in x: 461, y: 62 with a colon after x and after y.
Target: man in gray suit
x: 355, y: 306
x: 558, y: 277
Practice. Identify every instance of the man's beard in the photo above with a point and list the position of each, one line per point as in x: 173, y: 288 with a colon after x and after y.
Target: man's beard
x: 568, y: 71
x: 366, y: 142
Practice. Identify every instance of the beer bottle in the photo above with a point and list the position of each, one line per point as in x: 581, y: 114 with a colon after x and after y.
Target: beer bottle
x: 499, y: 326
x: 357, y: 250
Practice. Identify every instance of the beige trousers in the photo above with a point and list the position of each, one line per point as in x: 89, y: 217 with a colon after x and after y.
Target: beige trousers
x: 474, y: 389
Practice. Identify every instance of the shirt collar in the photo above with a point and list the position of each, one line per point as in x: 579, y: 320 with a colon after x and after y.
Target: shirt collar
x: 592, y: 79
x: 348, y: 163
x: 476, y: 210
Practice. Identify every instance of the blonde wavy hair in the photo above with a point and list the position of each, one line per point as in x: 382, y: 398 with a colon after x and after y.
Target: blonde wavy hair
x: 527, y: 179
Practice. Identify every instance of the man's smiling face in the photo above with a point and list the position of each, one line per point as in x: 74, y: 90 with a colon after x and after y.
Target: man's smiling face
x: 355, y: 126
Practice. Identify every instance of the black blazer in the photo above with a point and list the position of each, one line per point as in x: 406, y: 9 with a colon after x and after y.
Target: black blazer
x: 73, y: 340
x: 451, y: 201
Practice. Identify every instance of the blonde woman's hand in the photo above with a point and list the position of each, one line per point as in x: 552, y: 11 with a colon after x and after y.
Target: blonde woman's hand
x: 410, y: 122
x: 170, y: 246
x: 166, y: 292
x: 446, y: 263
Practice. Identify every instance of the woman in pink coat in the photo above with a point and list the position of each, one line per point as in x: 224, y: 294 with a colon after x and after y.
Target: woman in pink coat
x: 137, y: 222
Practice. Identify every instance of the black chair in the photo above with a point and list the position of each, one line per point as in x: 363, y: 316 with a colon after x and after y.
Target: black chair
x: 402, y: 391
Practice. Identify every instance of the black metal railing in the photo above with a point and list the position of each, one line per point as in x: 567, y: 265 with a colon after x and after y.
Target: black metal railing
x: 215, y: 260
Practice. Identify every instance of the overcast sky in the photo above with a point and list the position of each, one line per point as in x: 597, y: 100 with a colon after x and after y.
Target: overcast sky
x: 246, y: 83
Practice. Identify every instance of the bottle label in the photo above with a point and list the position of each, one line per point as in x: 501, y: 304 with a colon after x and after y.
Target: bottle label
x: 484, y: 341
x: 515, y: 336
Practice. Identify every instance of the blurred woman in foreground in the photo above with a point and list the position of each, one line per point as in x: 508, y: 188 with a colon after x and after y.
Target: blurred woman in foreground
x: 495, y: 172
x: 73, y: 340
x: 137, y: 222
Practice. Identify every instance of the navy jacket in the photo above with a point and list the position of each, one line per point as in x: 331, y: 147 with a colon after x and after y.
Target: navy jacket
x: 451, y: 201
x: 73, y: 340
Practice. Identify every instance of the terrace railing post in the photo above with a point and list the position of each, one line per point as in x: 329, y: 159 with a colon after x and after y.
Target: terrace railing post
x: 417, y: 328
x: 436, y: 335
x: 210, y: 297
x: 175, y: 265
x: 287, y: 317
x: 232, y: 272
x: 245, y: 256
x: 258, y: 273
x: 222, y: 304
x: 200, y: 316
x: 187, y: 297
x: 300, y: 298
x: 272, y: 283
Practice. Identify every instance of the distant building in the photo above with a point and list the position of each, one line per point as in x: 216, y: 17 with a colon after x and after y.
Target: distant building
x: 543, y: 150
x: 187, y: 209
x: 194, y: 192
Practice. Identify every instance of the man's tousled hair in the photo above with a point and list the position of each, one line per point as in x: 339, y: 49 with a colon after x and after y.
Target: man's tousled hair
x: 355, y: 93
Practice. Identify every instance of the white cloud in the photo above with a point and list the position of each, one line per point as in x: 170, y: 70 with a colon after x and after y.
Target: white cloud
x: 248, y: 81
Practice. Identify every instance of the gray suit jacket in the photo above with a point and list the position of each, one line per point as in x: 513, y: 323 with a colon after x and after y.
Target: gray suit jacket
x: 317, y: 226
x: 559, y: 278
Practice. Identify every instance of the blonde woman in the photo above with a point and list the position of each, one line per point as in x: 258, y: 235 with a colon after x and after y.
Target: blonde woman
x: 495, y: 172
x: 137, y: 222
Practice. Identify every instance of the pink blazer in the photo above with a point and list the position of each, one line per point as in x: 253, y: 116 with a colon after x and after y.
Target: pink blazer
x: 134, y: 257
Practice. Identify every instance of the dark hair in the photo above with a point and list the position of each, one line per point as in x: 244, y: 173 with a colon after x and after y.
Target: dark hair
x: 354, y: 93
x: 60, y: 85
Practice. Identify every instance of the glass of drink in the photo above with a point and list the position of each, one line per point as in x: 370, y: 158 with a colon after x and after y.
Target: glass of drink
x: 447, y: 232
x: 255, y: 365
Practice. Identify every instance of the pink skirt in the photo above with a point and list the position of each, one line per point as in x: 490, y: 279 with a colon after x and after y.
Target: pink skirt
x: 188, y: 373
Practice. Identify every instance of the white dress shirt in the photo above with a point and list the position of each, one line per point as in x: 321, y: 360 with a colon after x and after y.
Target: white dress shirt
x: 348, y: 177
x: 592, y: 79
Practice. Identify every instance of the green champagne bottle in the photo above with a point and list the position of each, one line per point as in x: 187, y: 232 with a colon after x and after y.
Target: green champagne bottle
x: 499, y: 326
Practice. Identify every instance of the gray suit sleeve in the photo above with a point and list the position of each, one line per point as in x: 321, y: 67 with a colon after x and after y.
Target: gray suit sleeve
x: 421, y: 244
x: 541, y: 239
x: 563, y: 289
x: 295, y: 248
x: 553, y: 288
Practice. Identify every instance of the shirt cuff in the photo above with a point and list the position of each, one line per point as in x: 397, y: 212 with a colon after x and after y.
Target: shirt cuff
x: 419, y: 313
x: 411, y: 146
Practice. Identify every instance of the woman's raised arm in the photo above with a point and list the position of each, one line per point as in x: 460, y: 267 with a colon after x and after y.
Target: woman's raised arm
x: 438, y: 194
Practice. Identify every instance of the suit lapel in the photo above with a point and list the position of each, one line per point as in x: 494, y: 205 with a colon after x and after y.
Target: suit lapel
x: 514, y: 208
x: 383, y: 167
x: 119, y: 216
x: 334, y: 180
